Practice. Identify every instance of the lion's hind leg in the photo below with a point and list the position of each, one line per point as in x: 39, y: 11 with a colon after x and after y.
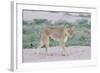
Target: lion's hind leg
x: 38, y: 48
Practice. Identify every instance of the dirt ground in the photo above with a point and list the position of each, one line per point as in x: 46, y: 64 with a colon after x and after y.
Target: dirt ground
x: 55, y: 54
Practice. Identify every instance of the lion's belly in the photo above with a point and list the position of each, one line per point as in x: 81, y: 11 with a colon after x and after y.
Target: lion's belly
x: 58, y: 37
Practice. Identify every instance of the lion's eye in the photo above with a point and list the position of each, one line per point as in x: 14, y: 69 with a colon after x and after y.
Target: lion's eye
x: 71, y: 32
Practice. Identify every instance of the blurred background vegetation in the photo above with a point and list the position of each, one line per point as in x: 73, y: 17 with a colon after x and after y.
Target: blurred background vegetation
x: 34, y: 21
x: 81, y: 36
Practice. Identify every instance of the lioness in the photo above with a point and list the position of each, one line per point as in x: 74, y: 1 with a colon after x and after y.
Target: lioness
x: 59, y: 34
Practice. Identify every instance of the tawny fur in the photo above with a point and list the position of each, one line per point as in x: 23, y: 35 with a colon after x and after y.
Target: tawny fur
x: 59, y: 34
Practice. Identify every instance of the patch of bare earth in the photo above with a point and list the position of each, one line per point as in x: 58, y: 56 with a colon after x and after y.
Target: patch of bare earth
x: 55, y: 54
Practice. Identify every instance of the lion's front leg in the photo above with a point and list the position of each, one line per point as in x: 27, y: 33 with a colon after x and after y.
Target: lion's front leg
x: 46, y: 43
x: 64, y: 49
x: 38, y: 48
x: 62, y: 45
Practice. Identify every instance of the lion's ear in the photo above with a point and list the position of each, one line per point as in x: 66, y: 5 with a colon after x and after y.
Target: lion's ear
x: 72, y: 28
x: 65, y: 26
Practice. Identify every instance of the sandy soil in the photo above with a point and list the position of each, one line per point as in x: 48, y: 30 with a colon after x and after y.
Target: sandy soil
x: 55, y: 54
